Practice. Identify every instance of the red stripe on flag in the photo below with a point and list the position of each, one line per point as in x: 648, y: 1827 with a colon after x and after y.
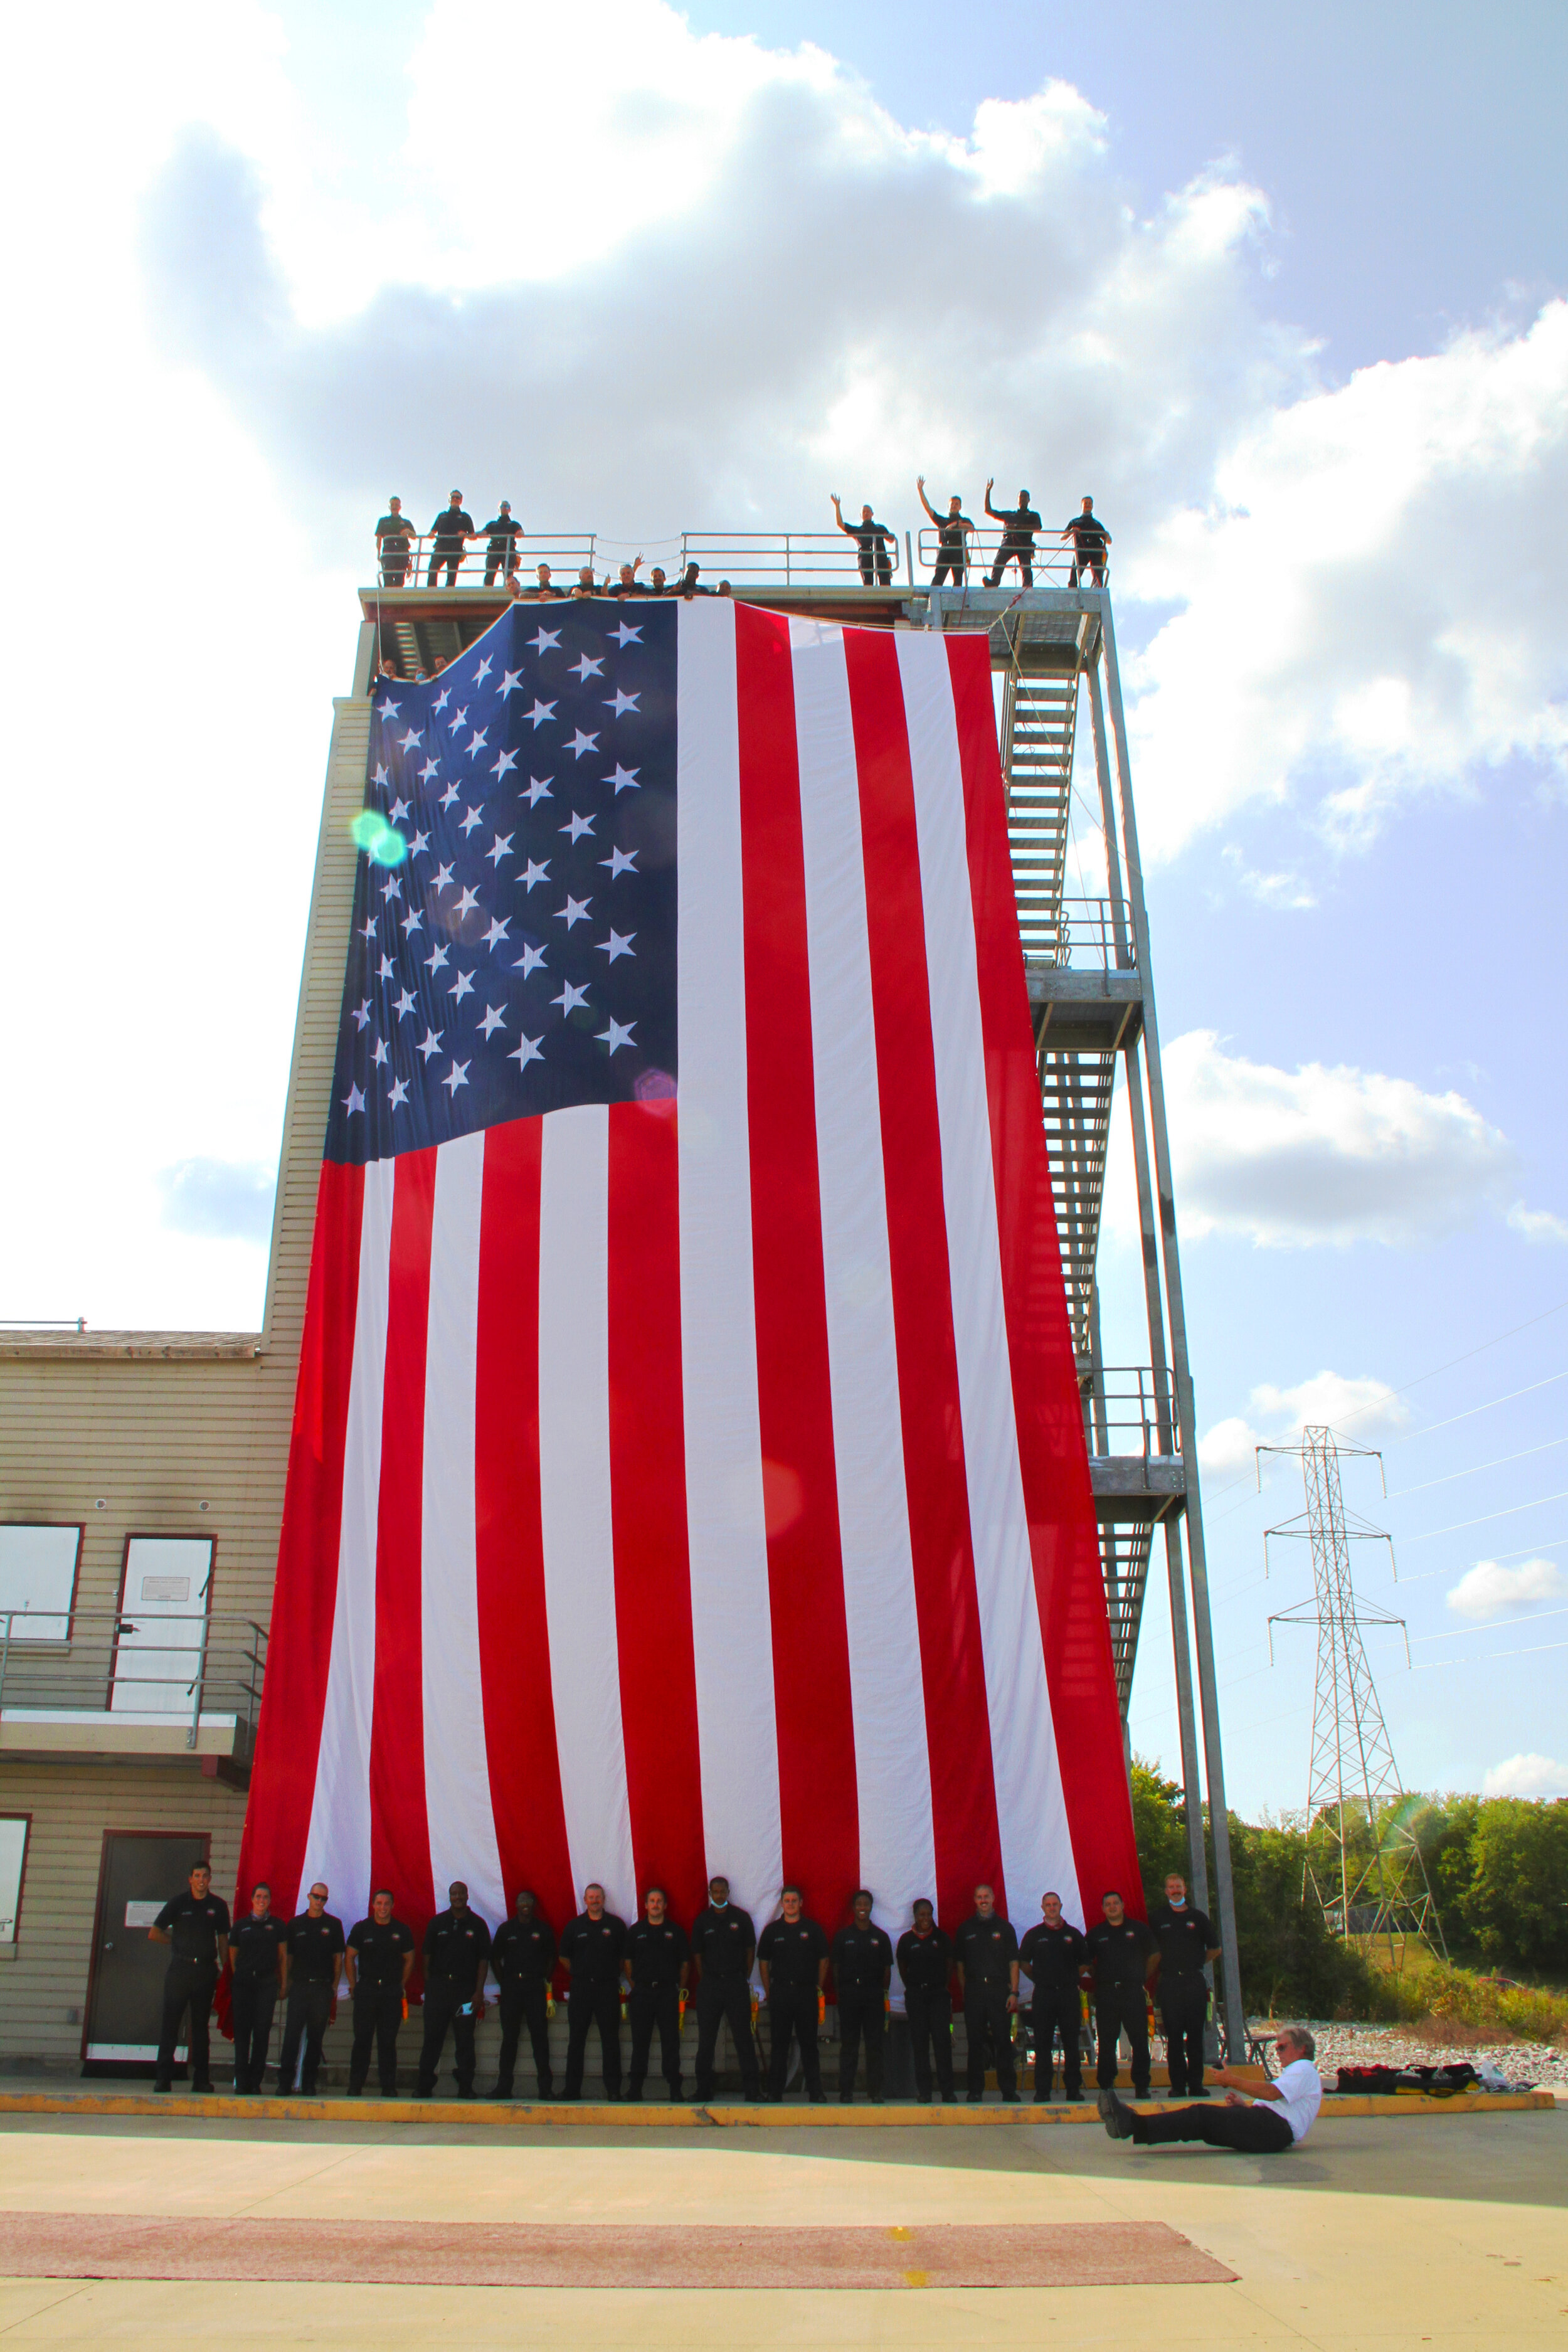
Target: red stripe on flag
x: 1063, y: 1536
x: 647, y: 1499
x: 400, y: 1832
x: 294, y: 1695
x: 958, y: 1723
x: 513, y: 1630
x: 819, y: 1815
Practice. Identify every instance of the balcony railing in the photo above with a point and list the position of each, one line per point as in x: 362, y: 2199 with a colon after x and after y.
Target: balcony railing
x: 1129, y: 1409
x: 132, y: 1663
x: 1086, y: 937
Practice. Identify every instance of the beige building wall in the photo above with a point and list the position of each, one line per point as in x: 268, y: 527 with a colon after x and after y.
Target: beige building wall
x: 132, y: 1433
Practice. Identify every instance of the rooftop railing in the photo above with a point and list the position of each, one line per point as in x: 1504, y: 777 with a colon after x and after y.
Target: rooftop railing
x: 1051, y: 562
x: 128, y: 1662
x: 1086, y: 937
x: 797, y: 558
x: 567, y: 553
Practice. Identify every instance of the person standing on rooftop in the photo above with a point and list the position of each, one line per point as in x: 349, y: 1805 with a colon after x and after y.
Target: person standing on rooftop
x: 873, y: 540
x: 394, y: 537
x: 450, y: 533
x: 1019, y: 525
x: 1089, y: 540
x: 952, y: 529
x: 501, y: 535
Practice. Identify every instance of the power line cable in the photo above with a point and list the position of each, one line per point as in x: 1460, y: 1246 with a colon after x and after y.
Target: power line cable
x: 1487, y: 1517
x: 1476, y: 1467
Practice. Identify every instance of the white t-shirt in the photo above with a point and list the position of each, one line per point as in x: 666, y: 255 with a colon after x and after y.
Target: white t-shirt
x: 1299, y: 2087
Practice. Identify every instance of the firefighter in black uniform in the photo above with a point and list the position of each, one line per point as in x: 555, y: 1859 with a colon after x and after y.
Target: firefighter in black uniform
x: 1187, y: 1945
x: 658, y: 1955
x: 523, y: 1954
x: 792, y: 1953
x: 925, y: 1969
x: 1051, y: 1956
x: 986, y: 1951
x: 1123, y: 1954
x: 862, y: 1965
x: 379, y: 1962
x: 592, y: 1947
x: 457, y: 1953
x: 256, y: 1956
x: 724, y: 1944
x: 196, y: 1924
x: 312, y: 1963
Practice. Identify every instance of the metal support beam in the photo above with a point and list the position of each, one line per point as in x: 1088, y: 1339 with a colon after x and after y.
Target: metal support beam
x: 1192, y: 1785
x: 1219, y: 1822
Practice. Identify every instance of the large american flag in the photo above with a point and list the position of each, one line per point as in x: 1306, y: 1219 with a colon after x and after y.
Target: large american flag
x: 688, y: 1471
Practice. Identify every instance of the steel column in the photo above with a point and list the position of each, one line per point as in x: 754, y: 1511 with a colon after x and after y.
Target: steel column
x: 1219, y: 1822
x: 1181, y: 1651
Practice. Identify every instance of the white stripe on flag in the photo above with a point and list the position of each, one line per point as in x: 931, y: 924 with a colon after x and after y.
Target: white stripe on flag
x: 336, y: 1848
x: 732, y: 1625
x: 574, y: 1498
x: 456, y: 1771
x: 1031, y: 1809
x: 892, y: 1768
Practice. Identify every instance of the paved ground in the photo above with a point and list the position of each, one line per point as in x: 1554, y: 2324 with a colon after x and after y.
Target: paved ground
x: 1450, y: 2230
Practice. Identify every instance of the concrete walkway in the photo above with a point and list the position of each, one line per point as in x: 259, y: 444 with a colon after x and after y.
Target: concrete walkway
x: 1449, y: 2229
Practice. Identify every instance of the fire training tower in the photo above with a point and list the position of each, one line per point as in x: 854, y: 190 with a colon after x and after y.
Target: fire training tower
x: 1090, y: 982
x: 1364, y: 1867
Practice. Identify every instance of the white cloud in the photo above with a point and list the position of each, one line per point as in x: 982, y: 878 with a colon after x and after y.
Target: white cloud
x: 1376, y: 575
x: 1527, y: 1776
x: 1490, y: 1589
x: 1289, y: 1158
x: 1360, y: 1410
x: 1537, y: 1224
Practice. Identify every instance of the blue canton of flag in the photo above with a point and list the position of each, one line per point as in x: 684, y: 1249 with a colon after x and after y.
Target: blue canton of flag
x: 514, y: 932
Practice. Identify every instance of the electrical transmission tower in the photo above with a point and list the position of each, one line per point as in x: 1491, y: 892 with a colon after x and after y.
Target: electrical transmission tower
x: 1363, y: 1864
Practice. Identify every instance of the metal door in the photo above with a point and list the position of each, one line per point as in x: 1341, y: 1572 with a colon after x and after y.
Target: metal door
x: 160, y: 1643
x: 138, y: 1875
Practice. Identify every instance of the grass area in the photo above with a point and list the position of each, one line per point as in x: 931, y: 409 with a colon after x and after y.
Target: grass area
x: 1428, y: 1994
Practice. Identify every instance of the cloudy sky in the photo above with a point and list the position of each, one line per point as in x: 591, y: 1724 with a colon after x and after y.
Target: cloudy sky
x: 1285, y: 290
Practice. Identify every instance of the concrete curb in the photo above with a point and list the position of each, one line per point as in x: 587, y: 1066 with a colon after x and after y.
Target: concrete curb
x: 666, y: 2115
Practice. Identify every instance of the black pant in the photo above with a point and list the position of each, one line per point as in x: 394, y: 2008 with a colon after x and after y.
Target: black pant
x: 878, y: 567
x: 190, y: 1984
x: 718, y: 1999
x: 953, y: 569
x: 310, y: 2007
x: 1020, y: 552
x: 450, y: 556
x: 378, y: 2018
x: 519, y: 2002
x: 600, y: 2005
x: 1056, y: 2011
x: 444, y: 2002
x: 498, y: 556
x: 930, y: 2015
x: 395, y: 569
x: 792, y: 2013
x: 648, y: 2006
x: 987, y: 2018
x: 860, y: 2014
x: 1087, y: 564
x: 1183, y: 2006
x: 253, y: 1999
x: 1249, y: 2131
x: 1116, y: 2009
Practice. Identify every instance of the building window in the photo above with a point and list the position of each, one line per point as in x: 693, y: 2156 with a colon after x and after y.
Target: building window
x: 37, y: 1580
x: 12, y: 1859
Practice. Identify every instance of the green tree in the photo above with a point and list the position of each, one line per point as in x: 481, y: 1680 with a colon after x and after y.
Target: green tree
x: 1515, y: 1902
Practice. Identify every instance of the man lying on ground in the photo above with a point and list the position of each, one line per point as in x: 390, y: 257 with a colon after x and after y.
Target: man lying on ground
x: 1253, y: 2123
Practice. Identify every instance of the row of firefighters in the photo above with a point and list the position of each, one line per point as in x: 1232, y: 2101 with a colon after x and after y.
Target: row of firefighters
x: 640, y: 1975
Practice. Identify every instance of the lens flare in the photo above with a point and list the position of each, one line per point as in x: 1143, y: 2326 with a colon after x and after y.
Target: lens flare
x: 381, y: 842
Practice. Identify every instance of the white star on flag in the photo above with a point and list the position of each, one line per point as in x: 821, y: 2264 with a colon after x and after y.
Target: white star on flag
x: 623, y: 702
x: 542, y: 641
x: 542, y: 711
x: 616, y: 1035
x: 574, y: 911
x: 570, y: 997
x: 624, y: 779
x: 614, y: 946
x: 527, y: 1051
x: 492, y: 1021
x: 457, y: 1075
x: 580, y: 743
x: 430, y: 1043
x: 529, y: 961
x: 578, y: 827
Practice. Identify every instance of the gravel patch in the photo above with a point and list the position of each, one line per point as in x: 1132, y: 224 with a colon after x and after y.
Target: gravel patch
x: 1522, y: 2063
